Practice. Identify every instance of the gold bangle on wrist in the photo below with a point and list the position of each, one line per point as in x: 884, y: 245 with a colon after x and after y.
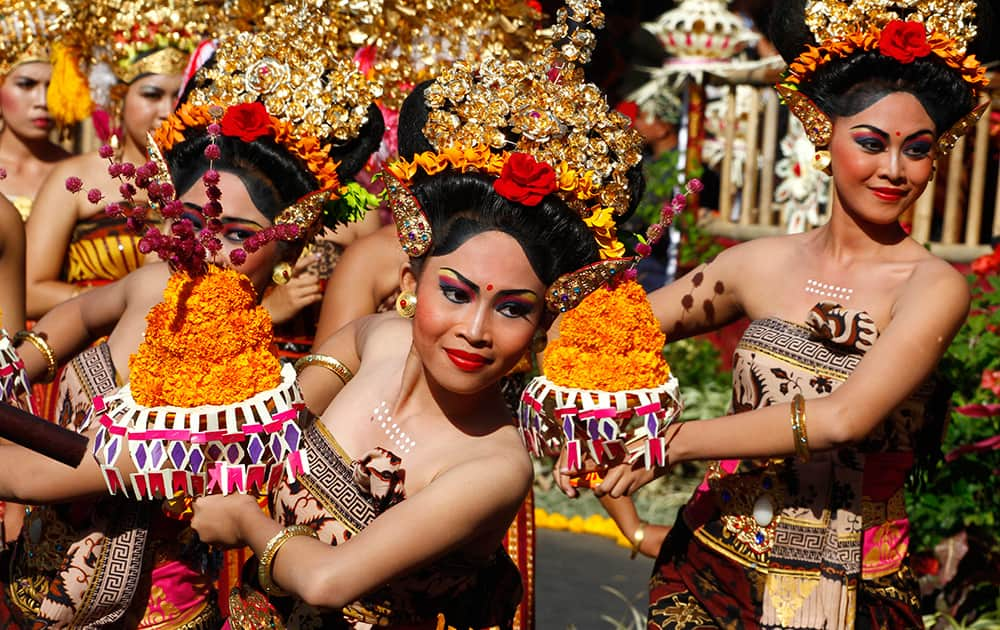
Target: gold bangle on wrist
x: 342, y: 371
x: 264, y: 572
x: 798, y: 418
x: 637, y: 537
x: 38, y: 340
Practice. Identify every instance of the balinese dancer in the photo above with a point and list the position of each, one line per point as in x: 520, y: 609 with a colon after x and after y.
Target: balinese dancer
x: 28, y: 34
x: 800, y: 521
x: 415, y: 468
x: 276, y: 175
x: 74, y: 244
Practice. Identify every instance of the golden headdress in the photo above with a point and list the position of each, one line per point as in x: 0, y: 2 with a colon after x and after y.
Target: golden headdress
x: 27, y: 30
x: 137, y: 37
x: 313, y: 100
x: 412, y: 40
x: 511, y: 118
x: 902, y: 29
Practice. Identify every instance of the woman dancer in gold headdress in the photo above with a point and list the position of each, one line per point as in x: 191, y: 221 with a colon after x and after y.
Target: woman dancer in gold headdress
x: 415, y: 469
x: 800, y: 521
x: 72, y: 244
x: 27, y: 153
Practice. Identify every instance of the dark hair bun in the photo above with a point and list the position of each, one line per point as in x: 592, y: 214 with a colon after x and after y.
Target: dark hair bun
x: 273, y: 178
x: 353, y: 155
x: 461, y: 205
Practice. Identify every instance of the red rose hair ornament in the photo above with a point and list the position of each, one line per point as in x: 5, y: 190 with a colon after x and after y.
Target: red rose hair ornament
x: 524, y: 180
x: 247, y: 121
x: 904, y: 41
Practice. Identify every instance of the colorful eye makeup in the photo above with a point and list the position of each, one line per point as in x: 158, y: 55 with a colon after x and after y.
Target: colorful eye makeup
x: 510, y: 303
x: 233, y: 229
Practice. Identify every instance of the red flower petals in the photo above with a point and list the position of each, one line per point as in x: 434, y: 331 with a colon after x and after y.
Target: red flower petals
x: 525, y: 181
x: 247, y: 121
x: 904, y: 41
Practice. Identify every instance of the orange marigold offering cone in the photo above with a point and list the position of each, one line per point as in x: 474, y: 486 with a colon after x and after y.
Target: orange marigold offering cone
x: 208, y: 407
x: 606, y: 385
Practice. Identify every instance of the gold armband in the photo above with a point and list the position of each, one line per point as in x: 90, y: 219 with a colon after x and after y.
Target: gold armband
x: 38, y: 340
x: 342, y: 371
x: 637, y: 538
x: 264, y: 574
x: 798, y: 417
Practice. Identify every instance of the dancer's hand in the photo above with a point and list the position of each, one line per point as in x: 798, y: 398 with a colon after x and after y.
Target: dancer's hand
x: 284, y: 301
x: 625, y: 478
x: 221, y: 520
x: 585, y: 477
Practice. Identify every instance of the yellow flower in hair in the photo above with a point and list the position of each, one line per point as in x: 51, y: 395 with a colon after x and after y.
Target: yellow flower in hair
x: 565, y: 177
x: 602, y: 224
x: 453, y: 155
x: 403, y: 170
x: 430, y: 162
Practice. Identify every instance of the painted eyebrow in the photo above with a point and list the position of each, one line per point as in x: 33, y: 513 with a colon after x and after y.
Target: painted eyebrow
x: 475, y: 287
x: 231, y: 219
x: 885, y: 135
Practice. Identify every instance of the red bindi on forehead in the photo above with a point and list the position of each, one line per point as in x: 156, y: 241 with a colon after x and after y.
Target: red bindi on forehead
x: 489, y: 287
x: 899, y: 133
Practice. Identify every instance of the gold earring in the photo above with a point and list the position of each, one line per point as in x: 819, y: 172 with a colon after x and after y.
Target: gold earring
x: 406, y: 304
x: 821, y: 161
x: 282, y: 273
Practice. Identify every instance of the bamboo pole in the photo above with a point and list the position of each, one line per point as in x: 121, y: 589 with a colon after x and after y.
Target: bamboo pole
x: 726, y: 180
x: 765, y: 214
x: 923, y: 213
x: 750, y: 175
x: 977, y: 188
x: 953, y: 194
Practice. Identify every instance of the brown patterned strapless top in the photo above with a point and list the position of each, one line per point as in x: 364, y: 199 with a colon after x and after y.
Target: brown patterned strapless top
x: 812, y: 528
x: 339, y: 497
x: 102, y: 250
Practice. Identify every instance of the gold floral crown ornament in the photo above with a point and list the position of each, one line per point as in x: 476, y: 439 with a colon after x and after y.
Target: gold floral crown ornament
x: 491, y: 117
x: 902, y: 29
x: 136, y: 37
x: 27, y: 30
x: 307, y: 85
x: 830, y: 20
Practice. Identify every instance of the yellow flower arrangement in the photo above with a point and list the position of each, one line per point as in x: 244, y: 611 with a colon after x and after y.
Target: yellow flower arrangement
x: 207, y: 343
x: 578, y: 188
x: 594, y: 524
x: 610, y: 342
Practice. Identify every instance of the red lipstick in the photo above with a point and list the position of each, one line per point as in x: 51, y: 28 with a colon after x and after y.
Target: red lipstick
x: 467, y: 361
x: 41, y: 123
x: 889, y: 194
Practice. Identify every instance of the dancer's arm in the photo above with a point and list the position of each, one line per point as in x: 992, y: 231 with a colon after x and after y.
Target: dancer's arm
x: 705, y: 299
x: 49, y: 230
x: 366, y: 274
x: 926, y: 318
x: 11, y: 267
x: 461, y: 506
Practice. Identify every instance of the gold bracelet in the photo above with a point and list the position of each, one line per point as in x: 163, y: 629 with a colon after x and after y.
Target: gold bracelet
x: 42, y: 345
x: 342, y: 371
x: 798, y: 417
x: 264, y: 572
x: 637, y: 538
